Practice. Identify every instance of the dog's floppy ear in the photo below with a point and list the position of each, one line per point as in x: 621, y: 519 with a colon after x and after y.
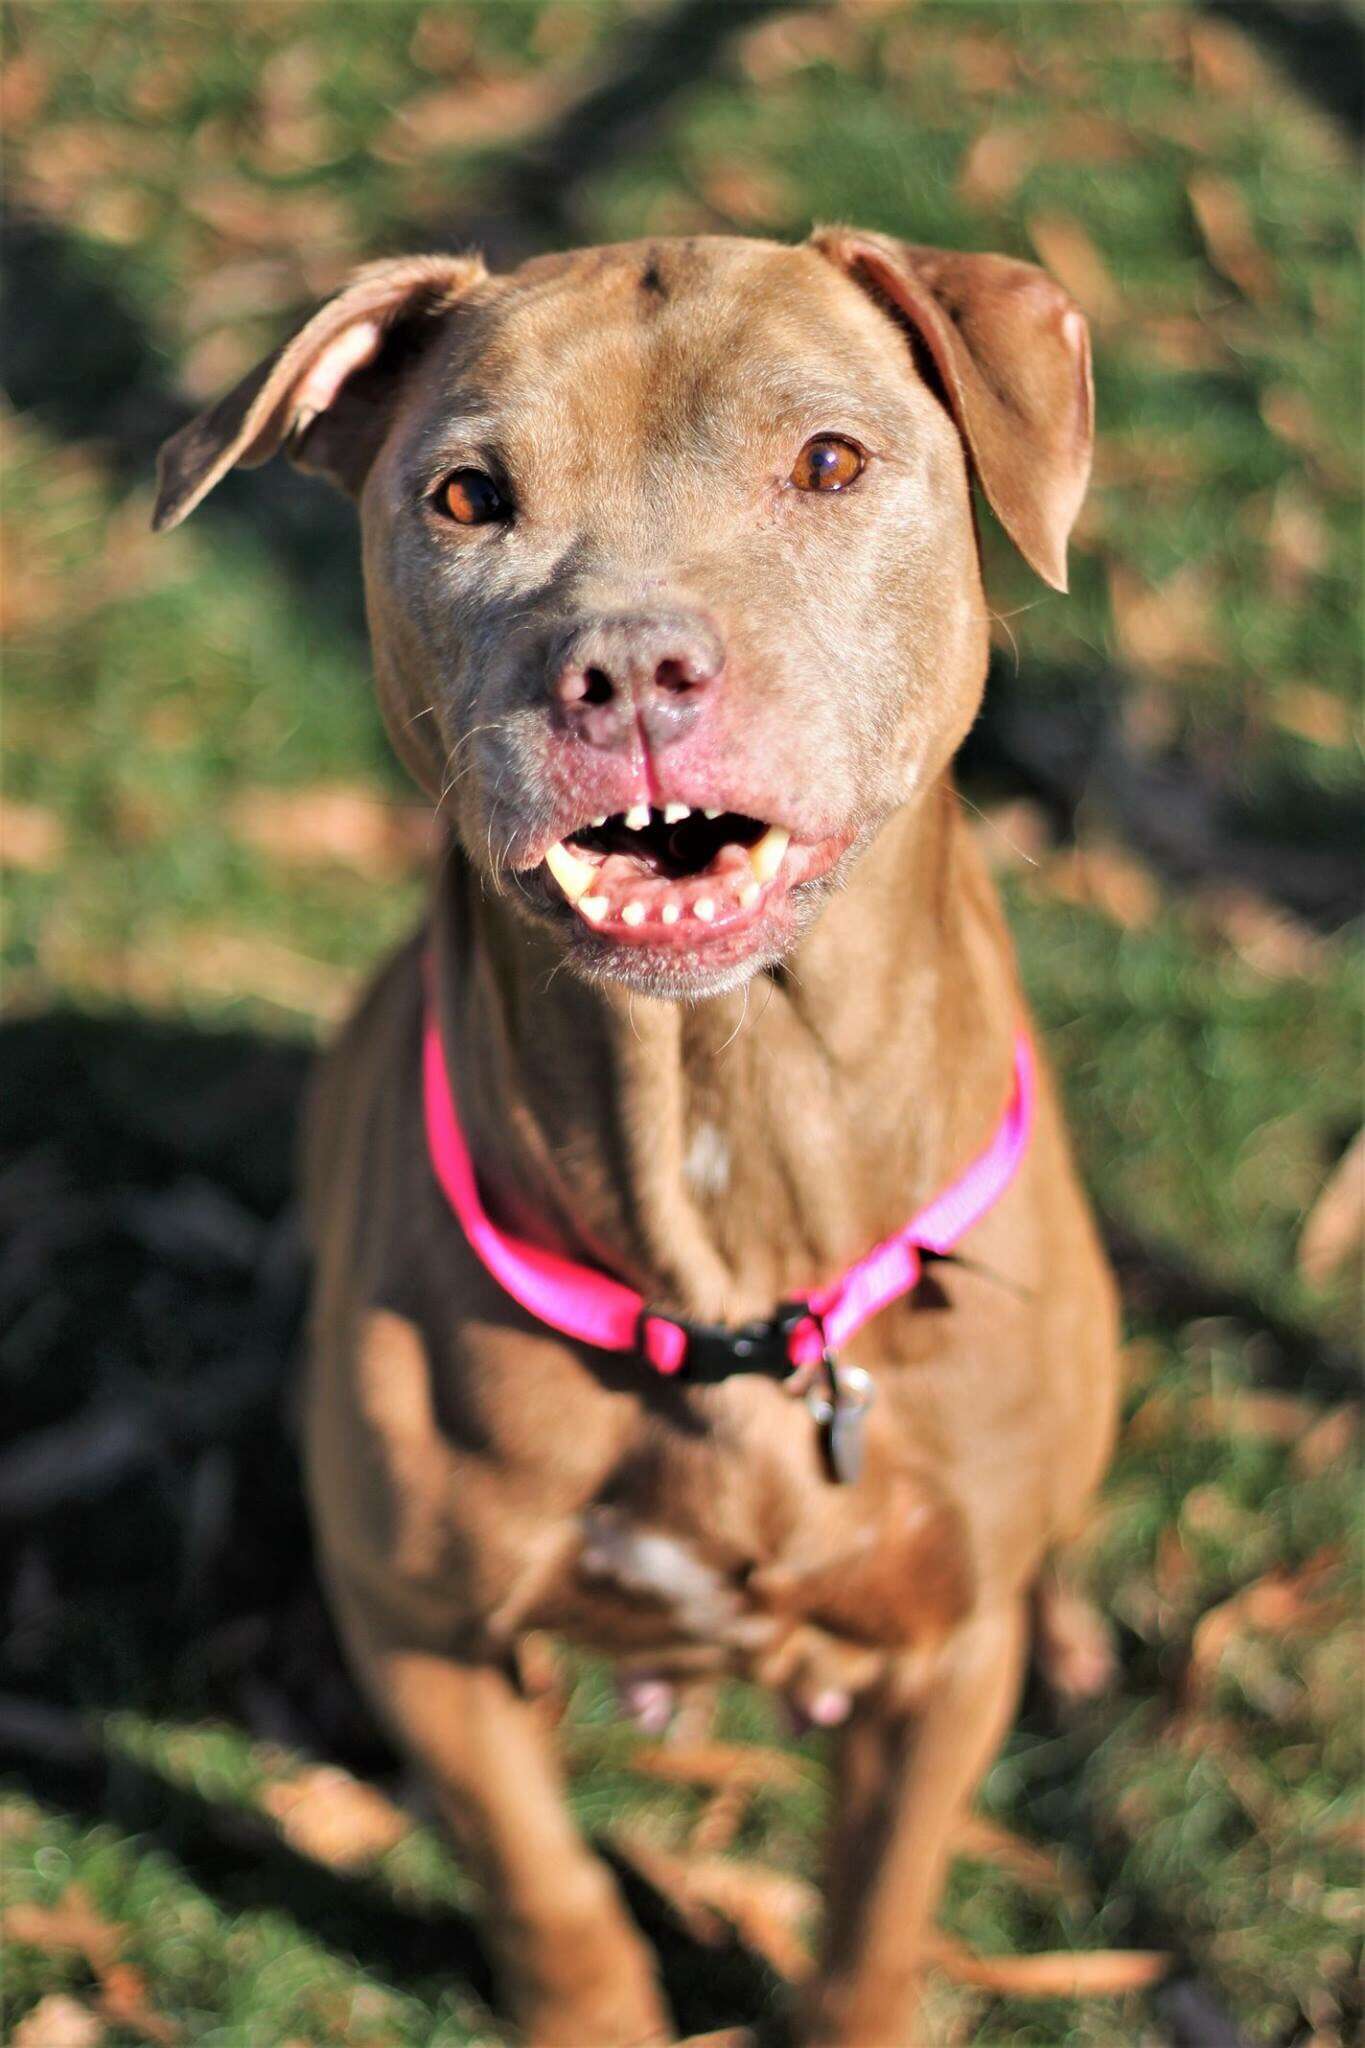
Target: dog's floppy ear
x: 1012, y: 353
x: 348, y: 350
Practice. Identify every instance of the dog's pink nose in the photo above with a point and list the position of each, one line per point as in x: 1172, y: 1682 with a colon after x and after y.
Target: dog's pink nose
x: 653, y: 669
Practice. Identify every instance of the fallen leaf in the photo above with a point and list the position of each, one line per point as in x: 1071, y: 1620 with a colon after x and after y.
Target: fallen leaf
x: 1311, y: 714
x: 1290, y: 416
x: 59, y: 2022
x: 24, y: 86
x: 1096, y: 1973
x: 1169, y: 628
x: 1065, y: 249
x: 1224, y: 61
x: 791, y: 42
x: 721, y: 1763
x: 1281, y: 1602
x: 1334, y: 1230
x: 1231, y: 246
x: 746, y: 192
x: 31, y: 838
x: 767, y: 1908
x: 1240, y: 1411
x: 334, y: 1818
x: 987, y: 1841
x: 1268, y: 939
x: 1103, y: 879
x: 1178, y: 341
x: 1329, y: 1442
x: 492, y: 108
x: 995, y: 166
x: 333, y: 824
x: 72, y: 1924
x: 124, y: 2003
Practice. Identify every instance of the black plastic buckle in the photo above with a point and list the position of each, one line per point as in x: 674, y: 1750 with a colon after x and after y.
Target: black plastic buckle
x: 716, y: 1350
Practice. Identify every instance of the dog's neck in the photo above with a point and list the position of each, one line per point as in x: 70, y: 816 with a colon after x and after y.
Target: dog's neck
x: 722, y: 1155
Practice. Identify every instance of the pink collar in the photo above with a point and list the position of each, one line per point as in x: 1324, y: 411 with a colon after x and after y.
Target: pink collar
x: 591, y: 1307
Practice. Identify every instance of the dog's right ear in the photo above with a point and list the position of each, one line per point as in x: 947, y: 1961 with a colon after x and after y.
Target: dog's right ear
x: 349, y: 351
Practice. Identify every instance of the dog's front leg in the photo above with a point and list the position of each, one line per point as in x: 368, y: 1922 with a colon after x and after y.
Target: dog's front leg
x: 906, y: 1772
x: 575, y: 1972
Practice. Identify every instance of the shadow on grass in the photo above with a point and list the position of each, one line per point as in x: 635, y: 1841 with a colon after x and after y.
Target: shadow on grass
x: 151, y: 1289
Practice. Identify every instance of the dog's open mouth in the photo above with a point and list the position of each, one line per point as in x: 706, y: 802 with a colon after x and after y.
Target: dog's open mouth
x: 650, y: 871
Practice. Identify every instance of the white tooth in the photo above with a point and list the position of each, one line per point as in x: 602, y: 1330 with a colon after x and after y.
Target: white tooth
x: 704, y: 908
x: 572, y: 874
x: 669, y: 913
x: 708, y: 813
x: 767, y: 857
x: 598, y: 823
x: 594, y: 908
x: 675, y: 813
x: 637, y: 818
x: 633, y: 912
x: 750, y: 894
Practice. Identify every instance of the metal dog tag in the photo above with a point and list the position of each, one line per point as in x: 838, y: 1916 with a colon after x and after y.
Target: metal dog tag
x: 839, y: 1404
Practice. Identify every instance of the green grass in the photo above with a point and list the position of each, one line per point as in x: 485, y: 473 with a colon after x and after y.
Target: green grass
x: 206, y: 171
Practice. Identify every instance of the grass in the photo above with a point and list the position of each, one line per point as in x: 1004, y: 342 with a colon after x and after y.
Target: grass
x: 1175, y: 743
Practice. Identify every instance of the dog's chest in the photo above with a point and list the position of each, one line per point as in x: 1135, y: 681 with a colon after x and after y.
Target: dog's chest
x: 705, y: 1557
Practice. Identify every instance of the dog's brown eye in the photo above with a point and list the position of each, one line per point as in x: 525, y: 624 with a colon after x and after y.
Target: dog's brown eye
x: 472, y: 498
x: 828, y: 464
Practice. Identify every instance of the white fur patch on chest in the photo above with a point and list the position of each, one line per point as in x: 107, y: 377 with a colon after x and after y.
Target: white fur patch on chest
x: 707, y: 1165
x: 702, y: 1602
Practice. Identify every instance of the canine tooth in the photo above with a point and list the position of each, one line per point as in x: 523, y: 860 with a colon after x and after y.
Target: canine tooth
x: 704, y: 908
x: 572, y: 874
x: 633, y: 912
x: 637, y: 818
x: 594, y: 908
x: 750, y: 894
x: 670, y: 913
x: 767, y: 856
x: 675, y: 813
x: 598, y: 823
x: 709, y: 813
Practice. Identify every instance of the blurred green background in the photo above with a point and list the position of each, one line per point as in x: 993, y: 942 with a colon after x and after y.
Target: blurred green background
x: 206, y: 845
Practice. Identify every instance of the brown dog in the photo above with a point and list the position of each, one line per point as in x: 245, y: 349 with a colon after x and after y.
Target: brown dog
x: 689, y: 525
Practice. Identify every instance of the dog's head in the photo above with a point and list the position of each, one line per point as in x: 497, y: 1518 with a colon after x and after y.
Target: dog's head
x: 669, y: 554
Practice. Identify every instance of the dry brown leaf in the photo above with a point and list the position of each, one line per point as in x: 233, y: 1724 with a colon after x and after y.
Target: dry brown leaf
x: 1167, y: 629
x: 1335, y: 1227
x: 995, y: 166
x: 1106, y: 880
x: 767, y: 1908
x: 72, y: 1924
x: 1096, y: 1973
x: 492, y: 108
x: 1290, y: 416
x: 124, y: 2003
x: 1224, y: 61
x: 1297, y: 541
x: 1311, y: 714
x: 1177, y: 341
x: 59, y: 2022
x: 719, y: 1821
x: 31, y: 838
x: 1089, y: 137
x: 1066, y: 250
x: 720, y: 1764
x: 790, y: 42
x: 334, y: 1818
x: 1231, y: 245
x: 1037, y: 1869
x: 24, y: 86
x: 333, y: 824
x: 1236, y: 1411
x: 1269, y: 940
x: 746, y: 192
x: 1329, y: 1442
x: 1279, y: 1603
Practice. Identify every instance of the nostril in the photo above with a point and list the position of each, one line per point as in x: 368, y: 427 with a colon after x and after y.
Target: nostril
x: 675, y: 677
x: 597, y: 687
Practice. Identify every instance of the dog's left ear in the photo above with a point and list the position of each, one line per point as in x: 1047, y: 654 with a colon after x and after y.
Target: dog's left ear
x: 1012, y: 353
x: 326, y: 395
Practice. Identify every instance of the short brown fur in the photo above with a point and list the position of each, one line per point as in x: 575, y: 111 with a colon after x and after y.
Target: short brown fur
x: 475, y: 1477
